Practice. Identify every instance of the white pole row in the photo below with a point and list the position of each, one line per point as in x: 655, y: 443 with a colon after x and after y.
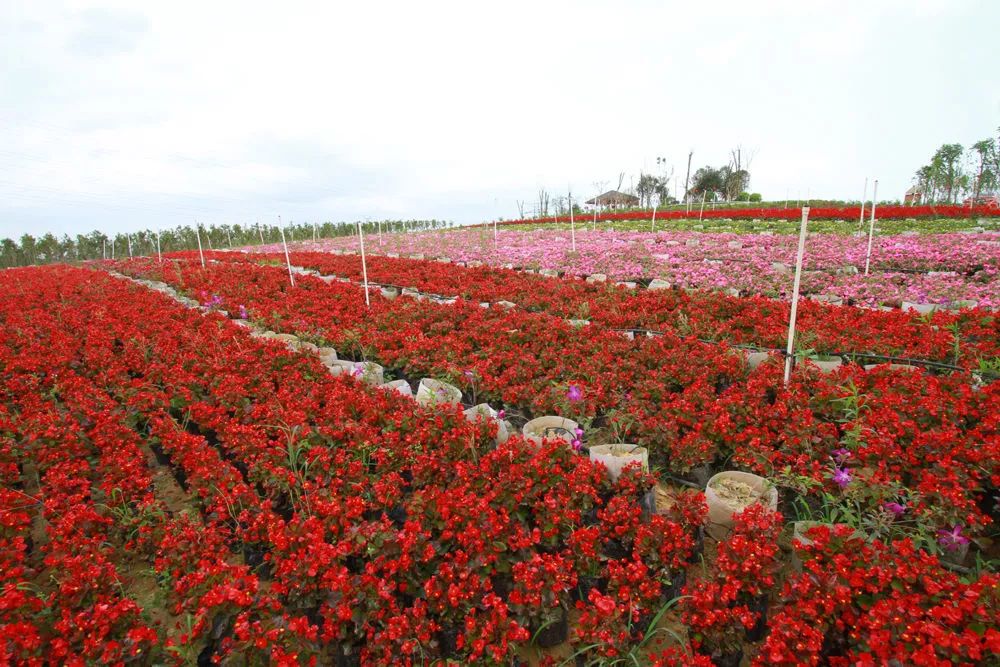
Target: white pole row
x: 364, y: 263
x: 197, y: 231
x: 789, y: 358
x: 288, y: 262
x: 871, y: 227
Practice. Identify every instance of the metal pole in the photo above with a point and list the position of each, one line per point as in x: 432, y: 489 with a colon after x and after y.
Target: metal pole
x: 364, y: 263
x: 197, y: 231
x: 789, y: 358
x: 871, y: 227
x: 128, y: 240
x: 159, y: 257
x: 104, y: 248
x: 229, y: 237
x: 261, y: 232
x: 496, y: 238
x: 572, y: 226
x: 288, y: 261
x: 702, y: 211
x: 652, y: 224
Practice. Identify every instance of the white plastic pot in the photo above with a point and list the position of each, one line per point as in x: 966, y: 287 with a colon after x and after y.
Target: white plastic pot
x: 402, y: 386
x: 656, y: 283
x: 390, y: 293
x: 484, y: 411
x: 340, y: 367
x: 369, y: 372
x: 617, y: 456
x: 434, y: 392
x: 551, y: 427
x: 921, y: 308
x: 827, y: 366
x: 720, y: 513
x: 755, y: 359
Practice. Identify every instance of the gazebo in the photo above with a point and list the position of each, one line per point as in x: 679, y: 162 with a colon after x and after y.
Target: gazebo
x: 614, y: 199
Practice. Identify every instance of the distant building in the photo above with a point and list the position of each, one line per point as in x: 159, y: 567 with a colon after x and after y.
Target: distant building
x: 913, y: 197
x: 614, y: 199
x: 983, y: 200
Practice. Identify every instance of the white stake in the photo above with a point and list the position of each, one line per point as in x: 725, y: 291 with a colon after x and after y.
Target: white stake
x: 380, y: 233
x: 104, y: 248
x: 288, y: 261
x: 789, y: 358
x: 652, y: 224
x: 314, y: 231
x: 496, y: 238
x: 861, y: 218
x: 197, y: 231
x: 871, y: 227
x: 364, y: 263
x: 229, y: 237
x: 702, y: 211
x: 159, y: 257
x: 261, y: 232
x: 128, y: 239
x: 113, y: 248
x: 572, y: 226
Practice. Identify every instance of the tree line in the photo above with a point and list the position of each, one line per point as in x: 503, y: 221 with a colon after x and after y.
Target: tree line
x: 954, y: 172
x: 49, y: 249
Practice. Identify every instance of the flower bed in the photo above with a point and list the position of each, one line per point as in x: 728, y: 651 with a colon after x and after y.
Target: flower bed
x: 326, y: 521
x: 943, y: 269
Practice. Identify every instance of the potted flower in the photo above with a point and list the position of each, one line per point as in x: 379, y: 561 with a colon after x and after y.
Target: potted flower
x: 730, y: 492
x: 435, y: 392
x: 619, y: 454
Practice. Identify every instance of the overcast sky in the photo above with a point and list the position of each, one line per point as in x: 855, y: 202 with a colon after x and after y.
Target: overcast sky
x: 132, y: 115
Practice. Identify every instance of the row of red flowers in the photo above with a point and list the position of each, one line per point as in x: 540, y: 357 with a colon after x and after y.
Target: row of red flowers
x: 691, y: 404
x: 954, y: 338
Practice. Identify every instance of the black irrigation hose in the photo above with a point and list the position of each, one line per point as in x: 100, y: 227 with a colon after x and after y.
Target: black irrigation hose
x: 853, y: 355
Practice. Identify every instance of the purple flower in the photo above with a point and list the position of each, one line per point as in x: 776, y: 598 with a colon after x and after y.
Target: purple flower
x: 575, y: 393
x: 469, y: 374
x: 358, y: 371
x: 579, y: 432
x: 842, y: 477
x: 895, y: 508
x: 577, y: 445
x: 243, y: 312
x: 501, y: 414
x: 841, y: 455
x: 952, y: 540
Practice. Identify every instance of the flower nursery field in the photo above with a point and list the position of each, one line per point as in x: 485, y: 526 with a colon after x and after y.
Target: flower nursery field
x: 206, y: 464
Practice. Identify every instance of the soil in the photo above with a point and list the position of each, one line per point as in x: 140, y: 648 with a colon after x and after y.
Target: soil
x: 737, y: 495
